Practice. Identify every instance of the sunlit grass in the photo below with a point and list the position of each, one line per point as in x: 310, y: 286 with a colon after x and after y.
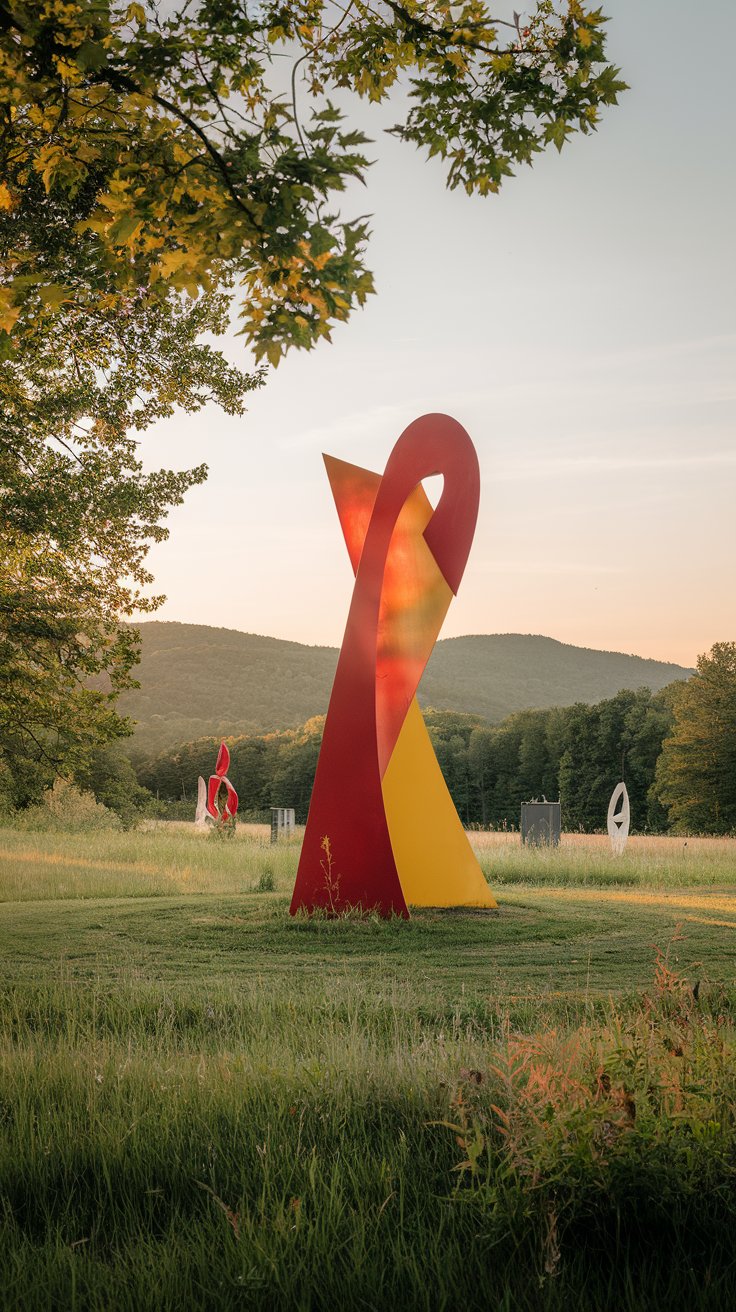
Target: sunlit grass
x: 155, y: 861
x: 206, y: 1103
x: 587, y: 859
x: 175, y: 858
x: 334, y: 1139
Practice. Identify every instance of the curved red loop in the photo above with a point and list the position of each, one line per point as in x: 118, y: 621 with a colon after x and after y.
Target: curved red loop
x: 216, y: 780
x: 346, y: 857
x: 434, y: 444
x: 223, y: 761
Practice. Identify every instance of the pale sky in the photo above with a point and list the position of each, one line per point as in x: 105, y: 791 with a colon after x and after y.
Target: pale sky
x: 580, y: 325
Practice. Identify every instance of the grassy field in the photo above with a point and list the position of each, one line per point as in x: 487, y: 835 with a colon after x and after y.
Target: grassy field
x: 207, y: 1104
x: 174, y: 858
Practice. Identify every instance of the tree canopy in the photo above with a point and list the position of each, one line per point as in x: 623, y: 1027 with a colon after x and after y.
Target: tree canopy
x: 201, y: 149
x: 574, y: 752
x: 79, y: 515
x: 696, y: 773
x: 152, y: 162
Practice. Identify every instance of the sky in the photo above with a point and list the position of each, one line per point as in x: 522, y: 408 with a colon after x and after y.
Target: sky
x: 580, y: 325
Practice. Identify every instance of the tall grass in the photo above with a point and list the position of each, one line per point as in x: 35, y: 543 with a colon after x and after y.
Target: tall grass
x: 207, y: 1104
x: 580, y: 859
x: 314, y: 1152
x: 158, y: 860
x: 171, y: 858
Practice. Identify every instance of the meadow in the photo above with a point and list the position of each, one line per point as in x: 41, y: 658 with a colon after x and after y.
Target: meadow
x: 205, y: 1103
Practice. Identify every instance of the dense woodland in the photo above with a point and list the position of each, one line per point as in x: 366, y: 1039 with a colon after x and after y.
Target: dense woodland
x: 576, y: 753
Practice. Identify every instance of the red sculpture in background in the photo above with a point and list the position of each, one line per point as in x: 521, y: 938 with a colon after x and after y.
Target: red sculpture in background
x: 216, y: 781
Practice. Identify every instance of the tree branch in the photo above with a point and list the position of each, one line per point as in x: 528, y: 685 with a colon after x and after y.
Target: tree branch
x: 121, y: 82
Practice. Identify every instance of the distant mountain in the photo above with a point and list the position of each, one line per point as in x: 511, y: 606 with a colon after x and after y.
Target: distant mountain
x: 198, y: 681
x: 495, y: 674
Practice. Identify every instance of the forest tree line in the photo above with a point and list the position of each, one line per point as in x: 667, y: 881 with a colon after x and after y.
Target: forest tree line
x: 675, y: 749
x: 576, y: 754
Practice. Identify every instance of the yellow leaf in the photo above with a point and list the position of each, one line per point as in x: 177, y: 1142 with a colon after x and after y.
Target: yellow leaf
x: 67, y: 69
x: 8, y: 312
x: 171, y: 262
x: 54, y: 294
x: 319, y: 261
x: 6, y: 200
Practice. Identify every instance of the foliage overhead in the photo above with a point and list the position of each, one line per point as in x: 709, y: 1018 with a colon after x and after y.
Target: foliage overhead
x: 200, y: 148
x: 92, y: 361
x: 151, y: 160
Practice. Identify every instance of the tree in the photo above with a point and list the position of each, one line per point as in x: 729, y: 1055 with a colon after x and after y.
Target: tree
x: 109, y: 775
x: 696, y: 772
x: 79, y: 513
x: 293, y: 767
x: 619, y: 738
x: 537, y: 772
x: 490, y: 770
x: 648, y: 722
x: 148, y: 165
x: 82, y: 376
x: 481, y: 768
x: 192, y: 170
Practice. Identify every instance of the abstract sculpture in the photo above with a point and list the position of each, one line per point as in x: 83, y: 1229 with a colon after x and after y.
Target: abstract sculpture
x: 283, y: 819
x: 382, y: 830
x: 541, y: 823
x: 619, y: 818
x: 217, y: 779
x: 200, y: 815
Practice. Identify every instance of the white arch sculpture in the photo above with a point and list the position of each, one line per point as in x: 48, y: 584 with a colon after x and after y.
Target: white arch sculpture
x: 619, y: 818
x: 200, y: 815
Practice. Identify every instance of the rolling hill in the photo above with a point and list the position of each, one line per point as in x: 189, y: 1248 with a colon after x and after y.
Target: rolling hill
x: 197, y: 680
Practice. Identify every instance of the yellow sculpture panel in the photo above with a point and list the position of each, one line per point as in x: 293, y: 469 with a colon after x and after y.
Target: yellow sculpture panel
x: 434, y: 860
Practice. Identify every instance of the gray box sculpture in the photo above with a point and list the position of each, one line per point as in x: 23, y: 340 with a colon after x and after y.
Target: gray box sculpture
x: 540, y: 823
x: 282, y: 822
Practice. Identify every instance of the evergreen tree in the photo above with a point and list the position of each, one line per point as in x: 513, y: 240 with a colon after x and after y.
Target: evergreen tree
x: 696, y: 772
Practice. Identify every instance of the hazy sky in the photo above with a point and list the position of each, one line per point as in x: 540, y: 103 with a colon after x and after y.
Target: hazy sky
x: 580, y: 325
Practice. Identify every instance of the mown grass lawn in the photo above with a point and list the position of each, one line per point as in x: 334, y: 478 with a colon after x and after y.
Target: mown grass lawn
x: 205, y: 1103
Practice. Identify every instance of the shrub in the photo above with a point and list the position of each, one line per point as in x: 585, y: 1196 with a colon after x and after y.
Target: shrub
x: 266, y: 882
x: 66, y: 809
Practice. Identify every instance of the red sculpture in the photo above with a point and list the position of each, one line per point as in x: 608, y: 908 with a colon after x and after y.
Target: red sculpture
x: 347, y: 858
x: 216, y: 780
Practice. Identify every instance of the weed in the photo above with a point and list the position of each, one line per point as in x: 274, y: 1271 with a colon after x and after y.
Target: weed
x: 331, y: 878
x: 266, y: 882
x: 223, y: 830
